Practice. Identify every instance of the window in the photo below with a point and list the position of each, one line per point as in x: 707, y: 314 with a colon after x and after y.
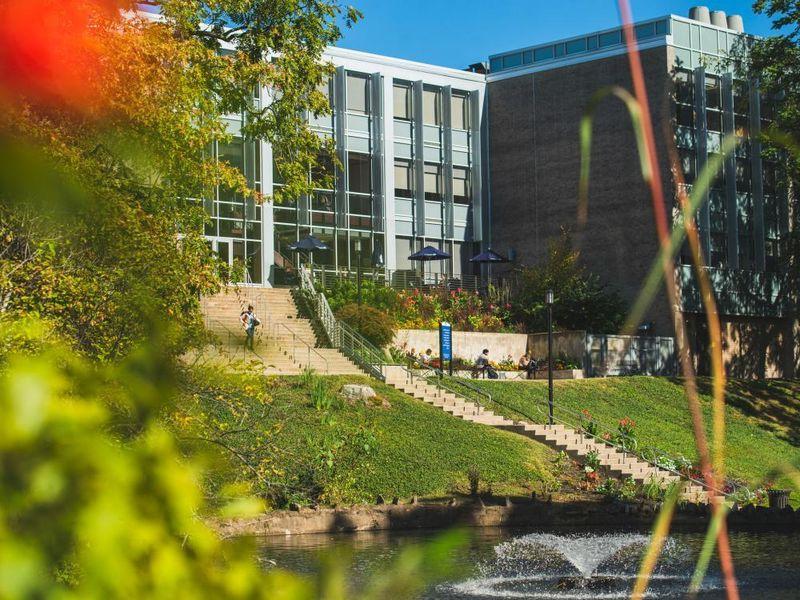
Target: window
x: 609, y: 39
x: 742, y: 174
x: 713, y: 93
x: 714, y: 120
x: 542, y: 53
x: 687, y: 165
x: 433, y: 182
x: 322, y: 201
x: 358, y: 93
x: 684, y: 87
x: 459, y: 106
x: 402, y: 102
x: 359, y: 173
x: 322, y: 172
x: 431, y: 107
x: 576, y: 46
x: 403, y: 187
x: 685, y: 115
x: 360, y: 205
x: 461, y: 185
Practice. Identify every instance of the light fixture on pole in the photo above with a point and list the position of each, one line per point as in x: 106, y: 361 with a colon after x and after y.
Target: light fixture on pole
x: 548, y: 300
x: 358, y: 271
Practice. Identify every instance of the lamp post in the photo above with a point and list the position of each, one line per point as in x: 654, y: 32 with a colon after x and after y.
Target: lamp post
x: 548, y: 300
x: 358, y: 268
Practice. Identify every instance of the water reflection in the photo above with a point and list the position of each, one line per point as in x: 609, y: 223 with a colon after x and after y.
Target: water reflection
x: 560, y: 565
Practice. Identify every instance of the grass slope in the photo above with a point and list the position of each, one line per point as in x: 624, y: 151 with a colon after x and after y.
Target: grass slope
x: 289, y: 449
x: 762, y: 418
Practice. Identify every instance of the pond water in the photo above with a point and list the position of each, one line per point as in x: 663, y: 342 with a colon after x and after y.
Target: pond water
x: 559, y: 564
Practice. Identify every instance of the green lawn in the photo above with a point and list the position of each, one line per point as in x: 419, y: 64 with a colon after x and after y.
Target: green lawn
x: 762, y: 418
x: 286, y: 449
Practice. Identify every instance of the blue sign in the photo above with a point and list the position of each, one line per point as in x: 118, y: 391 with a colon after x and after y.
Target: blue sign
x: 445, y: 341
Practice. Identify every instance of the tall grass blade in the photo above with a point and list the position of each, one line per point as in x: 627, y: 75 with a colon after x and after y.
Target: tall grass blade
x: 657, y: 539
x: 707, y: 551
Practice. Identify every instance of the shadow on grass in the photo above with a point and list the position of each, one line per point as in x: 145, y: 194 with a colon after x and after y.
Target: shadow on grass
x: 774, y: 405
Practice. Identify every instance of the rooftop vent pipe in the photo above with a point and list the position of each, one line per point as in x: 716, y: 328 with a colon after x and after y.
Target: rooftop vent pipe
x: 719, y: 18
x: 700, y: 13
x: 736, y: 23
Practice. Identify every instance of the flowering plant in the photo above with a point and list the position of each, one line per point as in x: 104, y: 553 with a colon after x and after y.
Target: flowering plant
x: 626, y: 434
x: 588, y: 424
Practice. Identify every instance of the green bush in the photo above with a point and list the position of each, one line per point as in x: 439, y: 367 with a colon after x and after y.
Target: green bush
x: 375, y: 325
x: 377, y: 295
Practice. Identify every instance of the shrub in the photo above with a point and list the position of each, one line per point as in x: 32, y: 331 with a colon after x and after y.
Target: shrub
x: 373, y: 324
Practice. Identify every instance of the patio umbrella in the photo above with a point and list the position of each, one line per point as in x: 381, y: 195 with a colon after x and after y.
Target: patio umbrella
x: 429, y: 253
x: 309, y: 244
x: 488, y: 257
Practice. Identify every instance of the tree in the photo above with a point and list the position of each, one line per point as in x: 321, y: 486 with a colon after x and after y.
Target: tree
x: 581, y: 301
x: 105, y: 123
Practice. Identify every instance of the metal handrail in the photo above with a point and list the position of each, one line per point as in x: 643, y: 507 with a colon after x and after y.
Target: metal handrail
x: 543, y: 410
x: 295, y: 338
x: 342, y: 336
x: 232, y: 337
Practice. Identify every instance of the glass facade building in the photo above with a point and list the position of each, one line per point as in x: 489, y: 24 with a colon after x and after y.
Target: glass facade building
x: 408, y: 143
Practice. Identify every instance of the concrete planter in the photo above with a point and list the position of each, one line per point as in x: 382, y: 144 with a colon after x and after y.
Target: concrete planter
x: 522, y: 376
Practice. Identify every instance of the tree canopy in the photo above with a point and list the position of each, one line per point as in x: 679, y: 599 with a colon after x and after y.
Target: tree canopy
x: 581, y: 301
x: 107, y: 119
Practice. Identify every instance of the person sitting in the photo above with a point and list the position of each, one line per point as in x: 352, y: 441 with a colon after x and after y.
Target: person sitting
x: 427, y: 357
x: 533, y: 366
x: 522, y: 363
x: 482, y: 363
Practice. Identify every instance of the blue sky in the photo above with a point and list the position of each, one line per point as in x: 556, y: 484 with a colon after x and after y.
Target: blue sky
x: 455, y: 33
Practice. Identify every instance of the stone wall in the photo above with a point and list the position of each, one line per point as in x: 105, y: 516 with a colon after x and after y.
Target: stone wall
x: 466, y: 344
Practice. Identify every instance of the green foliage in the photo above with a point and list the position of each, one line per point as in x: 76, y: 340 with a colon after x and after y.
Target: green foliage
x: 97, y: 232
x: 97, y: 499
x: 374, y: 324
x: 624, y: 490
x: 581, y: 301
x: 762, y: 418
x: 345, y: 291
x: 464, y: 310
x: 279, y: 444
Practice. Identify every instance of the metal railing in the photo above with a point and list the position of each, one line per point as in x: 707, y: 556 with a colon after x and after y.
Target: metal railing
x: 326, y: 277
x: 341, y: 336
x: 236, y: 344
x: 297, y: 341
x: 607, y: 435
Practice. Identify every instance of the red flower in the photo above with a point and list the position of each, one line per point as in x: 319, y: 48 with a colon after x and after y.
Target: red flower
x: 49, y: 51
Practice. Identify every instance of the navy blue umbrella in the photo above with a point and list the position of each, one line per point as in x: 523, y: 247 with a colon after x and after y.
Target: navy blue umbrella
x: 309, y: 244
x: 489, y: 256
x: 429, y: 253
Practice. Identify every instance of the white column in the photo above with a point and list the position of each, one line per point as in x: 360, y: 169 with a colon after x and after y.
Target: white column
x: 390, y: 247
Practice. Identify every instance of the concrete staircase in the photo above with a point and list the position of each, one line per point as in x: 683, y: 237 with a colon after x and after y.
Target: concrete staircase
x: 559, y: 437
x: 285, y: 342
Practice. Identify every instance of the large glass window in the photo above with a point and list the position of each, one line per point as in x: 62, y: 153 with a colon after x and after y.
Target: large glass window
x: 433, y: 181
x: 403, y: 182
x: 359, y: 173
x: 357, y: 93
x: 461, y: 185
x: 460, y: 110
x: 402, y: 101
x: 431, y: 106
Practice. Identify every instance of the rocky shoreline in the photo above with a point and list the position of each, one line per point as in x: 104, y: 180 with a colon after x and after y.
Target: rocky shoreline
x: 494, y: 513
